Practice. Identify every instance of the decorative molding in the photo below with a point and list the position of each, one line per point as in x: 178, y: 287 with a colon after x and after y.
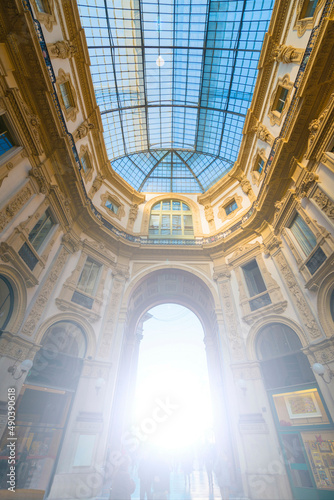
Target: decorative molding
x: 274, y: 116
x: 296, y: 296
x: 288, y: 54
x: 324, y: 203
x: 48, y: 19
x: 62, y: 49
x: 321, y: 131
x: 233, y: 329
x: 247, y: 189
x: 112, y: 318
x: 208, y: 212
x: 263, y: 133
x: 134, y: 208
x: 97, y: 183
x: 9, y: 211
x: 44, y: 295
x: 306, y: 23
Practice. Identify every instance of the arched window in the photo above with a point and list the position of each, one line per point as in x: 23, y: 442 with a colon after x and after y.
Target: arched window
x: 171, y: 219
x: 58, y: 363
x: 6, y: 302
x: 282, y: 362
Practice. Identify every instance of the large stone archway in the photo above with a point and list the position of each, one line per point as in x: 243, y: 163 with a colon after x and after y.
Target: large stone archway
x: 170, y: 286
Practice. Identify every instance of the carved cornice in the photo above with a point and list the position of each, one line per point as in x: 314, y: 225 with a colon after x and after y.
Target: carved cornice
x: 263, y: 133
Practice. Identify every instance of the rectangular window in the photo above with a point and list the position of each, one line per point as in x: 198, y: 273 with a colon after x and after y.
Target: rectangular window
x: 308, y: 8
x: 41, y: 230
x: 253, y: 277
x: 259, y: 165
x: 85, y: 162
x: 6, y: 140
x: 89, y: 277
x: 43, y: 6
x: 231, y: 207
x: 280, y: 99
x: 66, y: 94
x: 303, y: 234
x: 112, y: 206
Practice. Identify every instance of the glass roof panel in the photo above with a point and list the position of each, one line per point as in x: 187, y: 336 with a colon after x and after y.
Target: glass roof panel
x: 174, y: 76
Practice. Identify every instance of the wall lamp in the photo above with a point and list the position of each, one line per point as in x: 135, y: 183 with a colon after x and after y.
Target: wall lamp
x: 319, y: 369
x: 24, y: 367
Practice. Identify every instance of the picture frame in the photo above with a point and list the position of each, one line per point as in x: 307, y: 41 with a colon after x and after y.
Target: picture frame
x: 302, y: 406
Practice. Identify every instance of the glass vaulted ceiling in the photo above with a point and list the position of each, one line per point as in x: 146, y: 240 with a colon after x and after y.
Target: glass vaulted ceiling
x: 173, y: 80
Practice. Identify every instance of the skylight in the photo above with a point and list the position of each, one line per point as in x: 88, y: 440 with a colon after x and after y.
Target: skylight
x: 174, y: 81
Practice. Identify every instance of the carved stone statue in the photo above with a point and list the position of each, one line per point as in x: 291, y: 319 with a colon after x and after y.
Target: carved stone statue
x: 288, y: 54
x: 263, y: 134
x: 83, y: 130
x: 62, y: 49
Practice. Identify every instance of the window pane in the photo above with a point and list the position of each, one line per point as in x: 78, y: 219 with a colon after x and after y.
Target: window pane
x: 254, y: 280
x: 166, y: 205
x: 6, y: 302
x: 89, y: 276
x: 188, y: 225
x: 177, y: 229
x: 185, y: 207
x: 309, y: 8
x: 231, y: 207
x: 259, y: 166
x: 6, y: 140
x: 154, y: 224
x: 40, y: 231
x: 42, y: 6
x: 66, y: 95
x: 112, y: 206
x: 156, y: 206
x: 281, y: 97
x: 165, y: 224
x: 303, y: 234
x: 176, y: 205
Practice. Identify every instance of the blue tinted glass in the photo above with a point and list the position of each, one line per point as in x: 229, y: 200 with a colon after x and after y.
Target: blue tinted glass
x: 174, y: 80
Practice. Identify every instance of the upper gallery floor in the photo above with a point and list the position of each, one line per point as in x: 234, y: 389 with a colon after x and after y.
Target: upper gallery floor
x: 156, y: 174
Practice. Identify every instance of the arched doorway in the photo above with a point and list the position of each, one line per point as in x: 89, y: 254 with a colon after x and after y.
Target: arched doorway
x: 303, y: 423
x: 173, y: 286
x: 44, y: 404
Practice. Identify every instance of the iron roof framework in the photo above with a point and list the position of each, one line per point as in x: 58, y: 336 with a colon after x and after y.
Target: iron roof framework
x: 176, y: 127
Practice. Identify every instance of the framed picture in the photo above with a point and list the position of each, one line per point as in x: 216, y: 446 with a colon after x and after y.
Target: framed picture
x: 302, y: 406
x: 331, y: 471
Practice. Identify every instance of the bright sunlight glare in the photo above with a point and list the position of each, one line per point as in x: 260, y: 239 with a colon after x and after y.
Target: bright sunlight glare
x: 172, y: 372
